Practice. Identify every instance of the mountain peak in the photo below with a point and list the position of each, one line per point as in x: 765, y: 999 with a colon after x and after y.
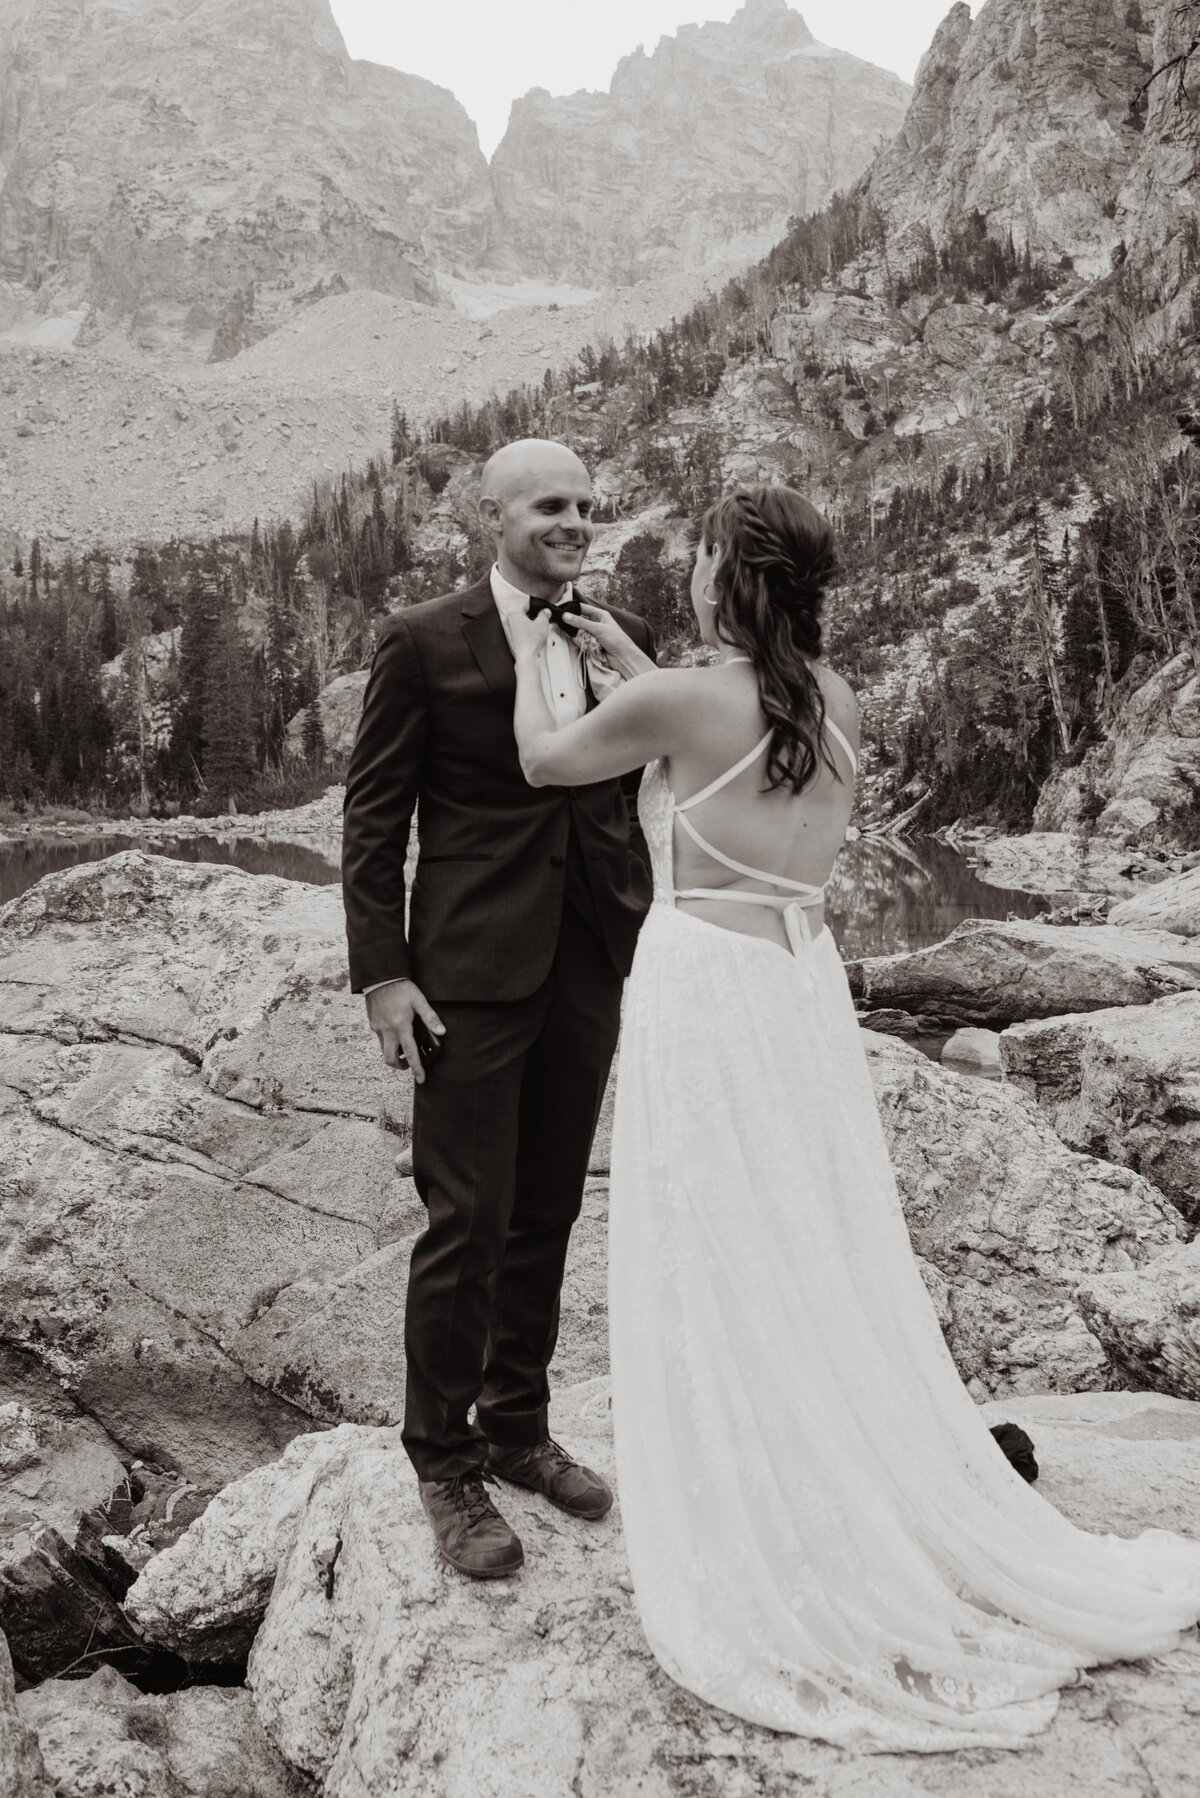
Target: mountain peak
x: 702, y: 149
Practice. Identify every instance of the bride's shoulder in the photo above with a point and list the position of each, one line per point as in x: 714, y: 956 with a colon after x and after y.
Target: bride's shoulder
x: 836, y: 690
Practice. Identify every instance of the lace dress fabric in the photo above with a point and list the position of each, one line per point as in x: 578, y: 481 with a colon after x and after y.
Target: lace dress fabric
x: 823, y: 1536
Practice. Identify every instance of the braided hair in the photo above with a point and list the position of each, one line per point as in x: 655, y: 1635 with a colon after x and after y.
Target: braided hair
x: 776, y: 559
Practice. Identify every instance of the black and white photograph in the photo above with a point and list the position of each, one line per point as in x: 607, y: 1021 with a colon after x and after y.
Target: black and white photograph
x: 599, y: 899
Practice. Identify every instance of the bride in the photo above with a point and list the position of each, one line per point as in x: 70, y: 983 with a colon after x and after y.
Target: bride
x: 823, y: 1535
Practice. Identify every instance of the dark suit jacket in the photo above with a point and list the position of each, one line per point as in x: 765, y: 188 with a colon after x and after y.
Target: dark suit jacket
x: 437, y: 734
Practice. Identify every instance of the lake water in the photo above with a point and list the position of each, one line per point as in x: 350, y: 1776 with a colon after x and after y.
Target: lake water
x: 23, y: 864
x: 883, y: 897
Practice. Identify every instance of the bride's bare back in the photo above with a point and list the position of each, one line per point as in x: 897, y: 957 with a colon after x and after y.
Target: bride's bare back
x: 794, y: 837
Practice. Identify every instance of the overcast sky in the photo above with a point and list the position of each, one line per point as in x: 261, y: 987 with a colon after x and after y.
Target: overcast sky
x: 491, y: 51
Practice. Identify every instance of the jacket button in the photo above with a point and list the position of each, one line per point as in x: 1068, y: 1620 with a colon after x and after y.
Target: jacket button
x: 556, y: 861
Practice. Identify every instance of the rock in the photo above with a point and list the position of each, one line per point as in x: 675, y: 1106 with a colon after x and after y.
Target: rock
x: 838, y: 328
x: 962, y: 336
x: 184, y: 1081
x: 341, y: 708
x: 1145, y: 776
x: 987, y: 972
x: 1130, y: 819
x: 1020, y: 115
x: 978, y: 1050
x: 1009, y: 1220
x: 58, y: 1470
x: 101, y: 1736
x: 371, y: 172
x: 1058, y: 861
x: 723, y: 130
x: 22, y: 1770
x: 55, y: 1610
x: 53, y: 1468
x: 1172, y: 905
x: 1148, y: 1319
x: 381, y: 1672
x: 204, y: 1599
x: 1122, y: 1083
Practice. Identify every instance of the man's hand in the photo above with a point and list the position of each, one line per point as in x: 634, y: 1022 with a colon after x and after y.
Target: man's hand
x: 390, y: 1013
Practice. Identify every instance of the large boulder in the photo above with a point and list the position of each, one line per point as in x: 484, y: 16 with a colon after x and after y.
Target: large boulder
x: 379, y: 1671
x: 60, y: 1474
x: 22, y: 1770
x: 1056, y: 861
x: 1006, y: 1221
x: 988, y: 972
x: 102, y: 1736
x: 1173, y: 905
x: 340, y: 706
x: 1122, y: 1083
x: 1143, y: 780
x: 185, y: 1083
x: 1148, y: 1319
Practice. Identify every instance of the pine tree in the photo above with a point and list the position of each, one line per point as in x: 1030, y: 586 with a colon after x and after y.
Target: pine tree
x: 315, y: 751
x: 147, y: 592
x: 228, y: 722
x: 201, y: 609
x: 108, y: 638
x: 402, y: 443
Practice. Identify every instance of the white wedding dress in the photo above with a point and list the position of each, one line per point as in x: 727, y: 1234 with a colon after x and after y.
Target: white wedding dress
x: 823, y: 1534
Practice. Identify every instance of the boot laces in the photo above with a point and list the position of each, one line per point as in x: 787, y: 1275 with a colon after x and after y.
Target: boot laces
x: 472, y: 1497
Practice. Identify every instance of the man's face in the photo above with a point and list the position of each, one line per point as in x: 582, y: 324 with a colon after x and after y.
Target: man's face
x: 545, y: 528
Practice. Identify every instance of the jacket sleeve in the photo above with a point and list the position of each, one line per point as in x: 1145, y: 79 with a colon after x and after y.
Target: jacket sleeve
x: 381, y: 795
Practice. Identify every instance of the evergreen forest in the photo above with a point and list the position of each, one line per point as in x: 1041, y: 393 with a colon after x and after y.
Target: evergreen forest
x: 166, y: 681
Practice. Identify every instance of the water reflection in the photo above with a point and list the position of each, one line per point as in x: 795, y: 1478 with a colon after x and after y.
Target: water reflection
x: 883, y: 897
x: 886, y: 897
x: 23, y: 864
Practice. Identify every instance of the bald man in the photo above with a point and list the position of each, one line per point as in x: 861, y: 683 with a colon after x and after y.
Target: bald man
x: 502, y: 993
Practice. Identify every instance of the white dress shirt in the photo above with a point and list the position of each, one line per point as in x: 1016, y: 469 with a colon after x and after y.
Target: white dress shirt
x: 564, y: 674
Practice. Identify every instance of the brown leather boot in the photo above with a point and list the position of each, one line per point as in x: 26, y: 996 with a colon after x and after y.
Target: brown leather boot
x: 547, y: 1468
x: 470, y: 1531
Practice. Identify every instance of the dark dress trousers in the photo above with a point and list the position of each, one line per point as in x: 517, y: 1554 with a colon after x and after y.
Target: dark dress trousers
x: 526, y: 905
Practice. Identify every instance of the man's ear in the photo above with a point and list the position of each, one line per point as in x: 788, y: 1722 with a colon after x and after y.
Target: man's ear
x: 490, y: 514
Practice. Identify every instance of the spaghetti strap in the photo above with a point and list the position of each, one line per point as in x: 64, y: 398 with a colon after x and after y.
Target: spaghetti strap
x: 723, y: 780
x: 835, y: 731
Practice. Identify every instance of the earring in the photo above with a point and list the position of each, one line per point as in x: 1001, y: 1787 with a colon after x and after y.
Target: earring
x: 705, y: 594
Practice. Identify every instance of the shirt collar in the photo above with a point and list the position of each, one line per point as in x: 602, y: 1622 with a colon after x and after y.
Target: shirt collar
x: 509, y: 598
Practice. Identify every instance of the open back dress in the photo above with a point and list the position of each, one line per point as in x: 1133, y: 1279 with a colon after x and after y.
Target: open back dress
x: 822, y: 1532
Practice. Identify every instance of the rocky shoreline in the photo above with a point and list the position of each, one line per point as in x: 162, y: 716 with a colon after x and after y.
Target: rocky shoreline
x: 201, y: 1349
x: 317, y: 825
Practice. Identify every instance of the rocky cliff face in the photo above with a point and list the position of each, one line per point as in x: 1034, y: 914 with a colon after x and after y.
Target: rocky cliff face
x: 191, y: 168
x: 720, y: 134
x: 1023, y: 113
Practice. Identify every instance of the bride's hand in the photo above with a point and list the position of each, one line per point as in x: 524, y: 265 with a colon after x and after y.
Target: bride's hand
x: 527, y: 635
x: 620, y: 650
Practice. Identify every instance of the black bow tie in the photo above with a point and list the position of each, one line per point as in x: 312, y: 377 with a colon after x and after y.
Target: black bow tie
x: 558, y: 613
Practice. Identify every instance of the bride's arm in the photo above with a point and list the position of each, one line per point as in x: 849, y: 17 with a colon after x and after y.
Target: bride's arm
x: 646, y: 718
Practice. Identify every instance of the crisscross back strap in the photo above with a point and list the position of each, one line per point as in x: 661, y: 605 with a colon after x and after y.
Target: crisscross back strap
x: 751, y: 757
x: 727, y: 861
x: 834, y: 731
x: 723, y: 780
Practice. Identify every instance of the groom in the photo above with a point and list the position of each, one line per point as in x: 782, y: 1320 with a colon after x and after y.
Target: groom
x: 526, y: 905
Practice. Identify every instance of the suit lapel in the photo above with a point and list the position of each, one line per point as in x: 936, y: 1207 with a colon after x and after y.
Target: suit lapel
x: 486, y: 640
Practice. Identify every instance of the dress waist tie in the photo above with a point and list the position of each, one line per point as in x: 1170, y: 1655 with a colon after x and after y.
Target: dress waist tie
x: 795, y: 920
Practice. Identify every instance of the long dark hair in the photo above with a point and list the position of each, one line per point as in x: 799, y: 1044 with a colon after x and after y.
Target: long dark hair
x: 777, y: 558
